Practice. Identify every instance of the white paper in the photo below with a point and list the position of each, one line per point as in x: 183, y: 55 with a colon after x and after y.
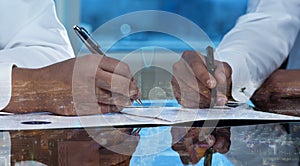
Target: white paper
x: 135, y: 116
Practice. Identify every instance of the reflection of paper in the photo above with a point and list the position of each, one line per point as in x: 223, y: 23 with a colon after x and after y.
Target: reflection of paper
x: 176, y: 114
x: 41, y: 121
x: 135, y: 117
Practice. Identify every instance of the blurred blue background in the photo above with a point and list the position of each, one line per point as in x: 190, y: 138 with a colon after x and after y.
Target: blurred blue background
x: 215, y: 17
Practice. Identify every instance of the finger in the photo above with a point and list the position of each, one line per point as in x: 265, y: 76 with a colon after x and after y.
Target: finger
x: 221, y: 99
x: 106, y: 97
x: 196, y: 64
x: 127, y: 147
x: 95, y: 108
x: 176, y: 89
x: 115, y: 66
x: 223, y: 77
x: 182, y: 72
x: 116, y: 83
x: 104, y: 108
x: 223, y: 142
x: 188, y: 97
x: 222, y: 145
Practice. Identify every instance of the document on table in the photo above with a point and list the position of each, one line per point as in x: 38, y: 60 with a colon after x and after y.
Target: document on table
x: 180, y: 115
x: 137, y: 117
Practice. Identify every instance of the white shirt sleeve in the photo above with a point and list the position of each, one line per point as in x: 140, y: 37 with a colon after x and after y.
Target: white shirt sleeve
x: 259, y: 43
x: 31, y: 36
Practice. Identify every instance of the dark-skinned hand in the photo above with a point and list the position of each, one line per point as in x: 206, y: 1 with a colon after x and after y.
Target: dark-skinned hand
x: 192, y: 143
x: 192, y: 83
x: 92, y: 84
x: 280, y: 93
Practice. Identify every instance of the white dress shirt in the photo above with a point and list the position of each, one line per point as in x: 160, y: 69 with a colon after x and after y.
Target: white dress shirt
x: 260, y: 42
x: 31, y: 36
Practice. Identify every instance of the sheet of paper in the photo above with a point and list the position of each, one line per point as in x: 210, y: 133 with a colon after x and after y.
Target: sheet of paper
x: 134, y: 116
x: 177, y: 114
x: 49, y: 121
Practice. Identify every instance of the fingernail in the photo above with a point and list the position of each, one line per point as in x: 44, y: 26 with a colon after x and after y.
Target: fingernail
x: 211, y: 83
x: 222, y: 100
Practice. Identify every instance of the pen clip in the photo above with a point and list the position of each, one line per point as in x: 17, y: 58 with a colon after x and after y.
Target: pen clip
x: 90, y: 37
x: 88, y: 40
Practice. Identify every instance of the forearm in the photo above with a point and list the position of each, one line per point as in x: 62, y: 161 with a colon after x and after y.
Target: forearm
x: 259, y: 43
x: 33, y: 37
x: 280, y: 93
x: 34, y: 90
x: 24, y: 57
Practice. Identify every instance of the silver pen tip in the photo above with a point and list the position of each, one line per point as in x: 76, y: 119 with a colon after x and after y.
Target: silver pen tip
x: 139, y: 101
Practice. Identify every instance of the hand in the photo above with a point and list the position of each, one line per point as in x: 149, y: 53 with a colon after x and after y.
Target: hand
x: 192, y: 143
x: 192, y: 82
x: 280, y: 93
x: 86, y: 85
x: 116, y: 145
x: 108, y: 146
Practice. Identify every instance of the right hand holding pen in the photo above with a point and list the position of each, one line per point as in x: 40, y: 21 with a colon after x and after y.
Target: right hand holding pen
x: 192, y: 82
x: 114, y: 88
x: 86, y: 85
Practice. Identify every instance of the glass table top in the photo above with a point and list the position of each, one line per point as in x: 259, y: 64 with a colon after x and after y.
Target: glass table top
x: 262, y: 144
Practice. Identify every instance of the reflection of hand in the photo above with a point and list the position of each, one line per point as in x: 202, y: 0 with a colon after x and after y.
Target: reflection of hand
x: 192, y: 143
x: 280, y: 93
x: 192, y: 82
x: 74, y: 146
x: 118, y: 144
x: 50, y: 88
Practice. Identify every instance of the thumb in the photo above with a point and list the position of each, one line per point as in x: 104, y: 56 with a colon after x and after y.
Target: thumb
x: 222, y: 81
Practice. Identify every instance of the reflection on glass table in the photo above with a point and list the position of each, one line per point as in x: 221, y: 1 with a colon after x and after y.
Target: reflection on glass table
x: 264, y: 144
x: 105, y: 146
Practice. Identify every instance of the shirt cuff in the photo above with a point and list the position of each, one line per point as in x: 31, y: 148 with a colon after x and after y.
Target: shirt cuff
x: 243, y: 85
x: 5, y: 84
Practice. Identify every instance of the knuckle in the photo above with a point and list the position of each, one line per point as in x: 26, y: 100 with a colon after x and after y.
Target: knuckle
x: 125, y: 67
x: 227, y: 68
x: 187, y: 53
x: 176, y: 67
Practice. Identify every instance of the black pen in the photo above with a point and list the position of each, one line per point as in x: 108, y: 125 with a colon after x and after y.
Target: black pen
x: 92, y: 44
x: 208, y: 156
x: 210, y: 64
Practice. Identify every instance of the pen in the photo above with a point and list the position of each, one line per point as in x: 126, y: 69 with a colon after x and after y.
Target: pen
x: 210, y: 64
x: 208, y: 156
x: 137, y: 130
x: 91, y: 44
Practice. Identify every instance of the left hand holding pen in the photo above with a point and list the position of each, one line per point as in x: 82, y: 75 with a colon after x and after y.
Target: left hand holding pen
x: 192, y: 82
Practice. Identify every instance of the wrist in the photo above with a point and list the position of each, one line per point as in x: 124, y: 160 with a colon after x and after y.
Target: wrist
x: 42, y: 89
x: 24, y: 94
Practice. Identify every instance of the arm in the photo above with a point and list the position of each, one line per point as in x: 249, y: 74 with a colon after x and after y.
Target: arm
x: 280, y: 93
x: 259, y: 43
x: 91, y: 84
x: 31, y: 38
